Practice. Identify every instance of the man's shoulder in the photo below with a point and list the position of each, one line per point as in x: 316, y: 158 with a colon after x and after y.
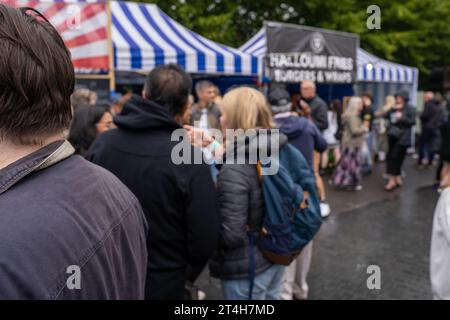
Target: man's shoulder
x: 72, y: 183
x: 77, y: 192
x: 62, y: 225
x: 320, y: 102
x: 91, y: 171
x: 104, y: 183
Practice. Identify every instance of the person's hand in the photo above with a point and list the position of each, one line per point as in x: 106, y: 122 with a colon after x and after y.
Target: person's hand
x: 305, y: 109
x: 199, y: 137
x: 303, y: 104
x: 398, y: 114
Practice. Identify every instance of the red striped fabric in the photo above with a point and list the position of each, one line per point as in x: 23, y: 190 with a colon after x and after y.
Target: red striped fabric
x: 91, y: 63
x: 87, y: 41
x: 96, y: 35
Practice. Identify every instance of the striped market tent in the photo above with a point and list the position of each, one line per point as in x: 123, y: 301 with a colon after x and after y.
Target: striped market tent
x: 381, y: 77
x: 370, y: 67
x: 374, y: 69
x: 82, y: 25
x: 144, y: 37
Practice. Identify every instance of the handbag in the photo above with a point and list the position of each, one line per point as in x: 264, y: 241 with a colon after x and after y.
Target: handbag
x: 394, y: 132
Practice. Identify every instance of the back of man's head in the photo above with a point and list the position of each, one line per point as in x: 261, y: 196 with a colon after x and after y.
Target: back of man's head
x: 36, y: 78
x: 83, y: 97
x: 202, y: 85
x: 170, y: 86
x: 429, y: 95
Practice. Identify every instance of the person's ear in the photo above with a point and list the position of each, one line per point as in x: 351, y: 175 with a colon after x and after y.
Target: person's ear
x: 184, y: 108
x: 179, y: 116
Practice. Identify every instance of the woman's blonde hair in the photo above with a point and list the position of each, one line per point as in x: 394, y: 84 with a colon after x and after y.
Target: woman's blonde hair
x: 246, y: 108
x: 353, y: 107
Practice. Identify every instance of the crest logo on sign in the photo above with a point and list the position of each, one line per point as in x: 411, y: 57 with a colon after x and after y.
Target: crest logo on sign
x: 317, y: 42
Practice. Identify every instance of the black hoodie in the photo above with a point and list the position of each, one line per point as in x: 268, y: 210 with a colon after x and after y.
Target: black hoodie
x: 179, y: 201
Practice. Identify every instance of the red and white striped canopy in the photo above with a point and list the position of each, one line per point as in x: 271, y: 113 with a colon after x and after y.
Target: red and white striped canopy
x: 82, y: 25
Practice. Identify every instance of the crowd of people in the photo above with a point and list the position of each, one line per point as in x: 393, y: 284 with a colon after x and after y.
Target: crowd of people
x: 95, y: 186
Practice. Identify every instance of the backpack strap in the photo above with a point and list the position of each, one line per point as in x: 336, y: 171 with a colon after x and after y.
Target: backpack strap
x: 259, y: 170
x: 305, y: 203
x: 251, y: 245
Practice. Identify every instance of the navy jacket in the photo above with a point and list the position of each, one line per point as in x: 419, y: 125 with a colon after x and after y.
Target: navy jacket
x: 58, y: 210
x: 302, y: 134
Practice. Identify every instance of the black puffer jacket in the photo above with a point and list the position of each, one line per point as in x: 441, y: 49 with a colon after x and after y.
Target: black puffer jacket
x: 241, y: 204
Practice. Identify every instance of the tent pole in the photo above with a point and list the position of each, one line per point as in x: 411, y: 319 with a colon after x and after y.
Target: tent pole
x: 111, y: 73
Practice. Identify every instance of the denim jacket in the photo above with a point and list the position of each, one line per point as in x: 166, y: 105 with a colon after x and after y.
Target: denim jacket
x: 68, y: 230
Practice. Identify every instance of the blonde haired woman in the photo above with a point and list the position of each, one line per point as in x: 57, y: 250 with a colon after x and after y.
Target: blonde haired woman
x: 241, y: 202
x: 348, y: 171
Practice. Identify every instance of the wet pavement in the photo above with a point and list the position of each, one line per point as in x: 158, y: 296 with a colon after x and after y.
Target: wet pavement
x: 371, y: 227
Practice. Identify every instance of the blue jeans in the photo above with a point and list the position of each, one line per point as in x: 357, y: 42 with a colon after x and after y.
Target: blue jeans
x: 214, y: 172
x: 425, y: 147
x: 367, y: 153
x: 267, y: 286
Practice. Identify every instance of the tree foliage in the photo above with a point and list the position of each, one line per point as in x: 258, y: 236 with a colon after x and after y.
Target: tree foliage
x: 413, y: 32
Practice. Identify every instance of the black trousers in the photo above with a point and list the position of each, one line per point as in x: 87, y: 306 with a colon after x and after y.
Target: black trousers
x: 395, y: 157
x: 165, y: 285
x: 439, y: 169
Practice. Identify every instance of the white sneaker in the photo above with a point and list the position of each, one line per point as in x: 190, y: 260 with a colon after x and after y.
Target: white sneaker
x: 324, y: 209
x: 201, y: 295
x: 302, y: 294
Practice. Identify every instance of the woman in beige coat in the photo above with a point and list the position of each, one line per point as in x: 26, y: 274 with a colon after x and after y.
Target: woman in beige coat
x: 348, y: 172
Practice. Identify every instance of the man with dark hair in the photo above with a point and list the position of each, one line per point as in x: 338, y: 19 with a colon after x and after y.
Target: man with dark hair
x: 69, y: 229
x: 179, y: 200
x: 205, y: 113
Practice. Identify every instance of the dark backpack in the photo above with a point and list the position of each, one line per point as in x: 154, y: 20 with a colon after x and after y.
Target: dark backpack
x: 292, y: 207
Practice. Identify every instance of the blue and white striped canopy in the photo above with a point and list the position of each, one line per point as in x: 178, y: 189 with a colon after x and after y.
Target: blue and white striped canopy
x: 370, y: 67
x: 256, y: 46
x: 374, y: 69
x: 144, y: 37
